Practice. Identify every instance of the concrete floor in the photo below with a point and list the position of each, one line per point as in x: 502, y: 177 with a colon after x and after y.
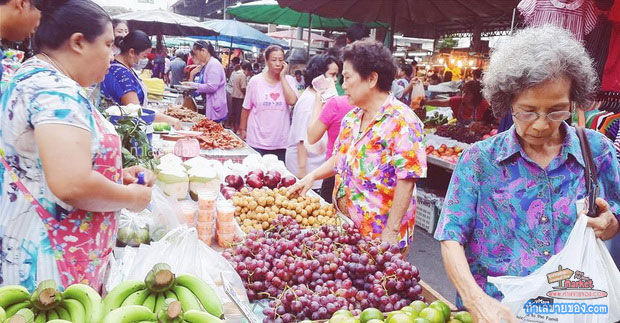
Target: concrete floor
x: 425, y: 254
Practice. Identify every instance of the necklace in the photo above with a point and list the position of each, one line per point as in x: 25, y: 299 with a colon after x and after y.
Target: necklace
x: 54, y: 64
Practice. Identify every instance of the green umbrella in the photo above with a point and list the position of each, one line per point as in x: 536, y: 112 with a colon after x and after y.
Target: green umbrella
x: 269, y: 12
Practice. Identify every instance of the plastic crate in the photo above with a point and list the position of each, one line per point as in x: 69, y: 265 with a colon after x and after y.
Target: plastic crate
x: 427, y: 213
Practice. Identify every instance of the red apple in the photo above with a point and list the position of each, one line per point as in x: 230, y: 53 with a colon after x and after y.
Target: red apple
x: 256, y: 172
x: 287, y: 181
x: 275, y: 174
x: 271, y: 181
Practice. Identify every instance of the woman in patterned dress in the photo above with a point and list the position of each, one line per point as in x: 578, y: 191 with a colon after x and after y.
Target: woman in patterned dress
x: 63, y: 183
x: 512, y: 200
x: 379, y: 154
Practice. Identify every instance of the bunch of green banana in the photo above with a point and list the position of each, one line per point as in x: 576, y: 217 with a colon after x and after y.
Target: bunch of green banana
x: 2, y: 314
x: 12, y: 299
x: 25, y: 315
x: 161, y: 284
x: 80, y: 303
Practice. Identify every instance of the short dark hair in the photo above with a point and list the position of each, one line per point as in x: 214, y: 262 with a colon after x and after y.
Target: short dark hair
x: 369, y: 56
x: 407, y: 69
x: 247, y: 66
x: 447, y: 76
x: 318, y: 65
x: 474, y: 87
x: 297, y: 72
x: 61, y: 19
x: 236, y: 60
x: 271, y: 49
x: 414, y: 62
x: 357, y: 32
x: 137, y: 40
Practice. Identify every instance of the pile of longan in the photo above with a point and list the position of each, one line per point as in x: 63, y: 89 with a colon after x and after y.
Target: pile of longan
x: 257, y: 208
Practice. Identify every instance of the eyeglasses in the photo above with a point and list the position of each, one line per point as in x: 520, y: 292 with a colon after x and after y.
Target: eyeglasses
x: 556, y: 116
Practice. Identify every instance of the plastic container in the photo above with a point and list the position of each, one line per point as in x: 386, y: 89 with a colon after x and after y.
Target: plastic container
x: 226, y: 213
x: 225, y: 240
x: 226, y: 227
x: 204, y: 227
x: 206, y: 199
x: 206, y: 215
x: 206, y: 238
x: 188, y: 212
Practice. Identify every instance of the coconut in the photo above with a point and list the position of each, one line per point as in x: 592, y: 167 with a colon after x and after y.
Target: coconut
x: 203, y: 179
x: 174, y: 182
x: 197, y: 162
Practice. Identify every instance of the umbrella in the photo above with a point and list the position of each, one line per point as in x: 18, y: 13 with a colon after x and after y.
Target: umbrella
x: 269, y: 12
x: 419, y: 18
x: 235, y: 31
x: 162, y: 22
x: 292, y: 34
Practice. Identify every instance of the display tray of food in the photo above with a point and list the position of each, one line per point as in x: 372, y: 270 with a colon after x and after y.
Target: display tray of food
x: 184, y: 114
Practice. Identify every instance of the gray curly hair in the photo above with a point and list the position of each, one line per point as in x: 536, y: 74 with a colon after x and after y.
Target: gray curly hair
x: 533, y: 56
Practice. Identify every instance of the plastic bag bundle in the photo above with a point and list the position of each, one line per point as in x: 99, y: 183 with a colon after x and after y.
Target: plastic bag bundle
x: 579, y: 284
x: 134, y: 228
x: 164, y: 214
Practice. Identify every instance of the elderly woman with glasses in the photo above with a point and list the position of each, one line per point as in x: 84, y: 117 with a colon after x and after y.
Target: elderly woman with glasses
x: 512, y: 199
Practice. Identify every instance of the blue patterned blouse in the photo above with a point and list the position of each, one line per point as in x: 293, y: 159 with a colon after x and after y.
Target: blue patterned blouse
x: 509, y: 213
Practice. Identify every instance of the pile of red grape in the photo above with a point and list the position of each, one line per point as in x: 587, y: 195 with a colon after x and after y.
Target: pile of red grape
x: 310, y: 274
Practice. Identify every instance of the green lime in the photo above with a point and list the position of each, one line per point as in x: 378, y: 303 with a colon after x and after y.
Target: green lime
x: 375, y: 321
x: 343, y: 312
x: 371, y: 314
x: 433, y: 315
x: 340, y: 318
x: 400, y: 318
x: 418, y: 305
x: 464, y: 317
x: 443, y: 307
x: 410, y: 310
x: 453, y: 321
x: 420, y: 320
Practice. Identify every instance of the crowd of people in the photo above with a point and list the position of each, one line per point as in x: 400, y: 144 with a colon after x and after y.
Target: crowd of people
x: 61, y: 159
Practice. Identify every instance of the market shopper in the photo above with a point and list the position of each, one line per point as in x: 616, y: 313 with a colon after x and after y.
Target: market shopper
x: 328, y: 121
x: 211, y: 81
x: 266, y: 114
x: 63, y: 182
x: 18, y: 19
x: 469, y: 106
x: 177, y: 67
x: 121, y: 29
x: 122, y: 85
x: 301, y: 156
x: 239, y: 84
x: 379, y: 154
x: 511, y: 203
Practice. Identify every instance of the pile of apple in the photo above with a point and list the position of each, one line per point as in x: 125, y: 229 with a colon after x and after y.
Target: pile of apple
x: 255, y: 179
x: 416, y: 312
x: 449, y: 154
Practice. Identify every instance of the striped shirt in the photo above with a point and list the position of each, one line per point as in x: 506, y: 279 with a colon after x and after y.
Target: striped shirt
x: 577, y: 16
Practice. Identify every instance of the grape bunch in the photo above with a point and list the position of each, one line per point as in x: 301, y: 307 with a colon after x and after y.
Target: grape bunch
x: 310, y: 274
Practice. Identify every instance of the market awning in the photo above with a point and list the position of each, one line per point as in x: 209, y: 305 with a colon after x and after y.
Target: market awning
x: 417, y: 18
x: 269, y: 12
x: 233, y: 31
x: 163, y: 22
x: 292, y: 34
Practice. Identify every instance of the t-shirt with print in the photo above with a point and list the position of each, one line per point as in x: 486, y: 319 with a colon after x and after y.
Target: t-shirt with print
x: 332, y: 114
x: 270, y: 116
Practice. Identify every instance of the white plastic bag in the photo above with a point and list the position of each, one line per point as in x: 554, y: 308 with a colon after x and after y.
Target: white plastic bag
x: 417, y: 91
x: 134, y: 228
x: 164, y: 210
x: 589, y: 278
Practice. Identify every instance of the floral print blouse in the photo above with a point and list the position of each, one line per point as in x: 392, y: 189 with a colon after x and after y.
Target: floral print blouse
x: 369, y: 163
x: 509, y: 213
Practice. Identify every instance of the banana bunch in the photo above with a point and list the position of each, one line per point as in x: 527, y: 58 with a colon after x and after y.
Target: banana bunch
x: 160, y: 284
x: 171, y: 312
x: 79, y: 304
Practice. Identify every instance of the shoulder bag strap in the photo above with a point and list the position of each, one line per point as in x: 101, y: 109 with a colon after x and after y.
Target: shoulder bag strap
x: 592, y: 187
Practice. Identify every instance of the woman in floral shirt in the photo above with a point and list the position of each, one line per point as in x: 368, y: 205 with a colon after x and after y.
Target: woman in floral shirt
x: 378, y: 155
x: 512, y: 199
